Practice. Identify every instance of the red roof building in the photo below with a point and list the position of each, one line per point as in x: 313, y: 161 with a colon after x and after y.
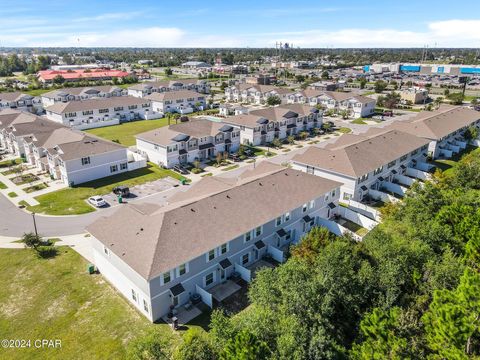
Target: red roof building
x: 84, y: 74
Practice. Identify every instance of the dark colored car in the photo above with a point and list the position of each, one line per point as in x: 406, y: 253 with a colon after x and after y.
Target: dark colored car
x: 234, y: 157
x: 122, y: 190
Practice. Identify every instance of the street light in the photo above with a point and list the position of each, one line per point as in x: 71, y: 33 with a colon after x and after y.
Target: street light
x: 34, y: 224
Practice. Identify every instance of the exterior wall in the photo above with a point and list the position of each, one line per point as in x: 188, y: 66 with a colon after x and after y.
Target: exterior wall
x: 48, y: 101
x: 72, y: 171
x: 122, y: 277
x: 182, y: 106
x: 31, y: 105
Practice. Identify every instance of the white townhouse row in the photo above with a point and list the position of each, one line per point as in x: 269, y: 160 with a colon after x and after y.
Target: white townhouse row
x: 98, y: 112
x: 260, y: 127
x: 161, y: 258
x: 377, y: 161
x: 66, y: 154
x: 19, y: 101
x: 81, y: 93
x: 181, y: 101
x: 255, y: 94
x: 147, y: 88
x: 357, y: 105
x: 186, y: 142
x: 444, y: 128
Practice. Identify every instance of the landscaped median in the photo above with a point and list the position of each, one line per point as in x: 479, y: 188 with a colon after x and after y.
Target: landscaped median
x: 71, y: 201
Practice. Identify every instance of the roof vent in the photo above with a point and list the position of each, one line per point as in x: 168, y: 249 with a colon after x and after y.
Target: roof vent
x: 141, y: 229
x: 228, y: 197
x: 192, y: 210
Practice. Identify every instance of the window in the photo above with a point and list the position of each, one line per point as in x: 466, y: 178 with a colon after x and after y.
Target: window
x: 182, y: 269
x: 211, y: 255
x: 287, y: 216
x: 403, y: 158
x: 311, y: 204
x: 245, y: 258
x: 86, y: 160
x: 223, y: 248
x: 414, y: 152
x: 310, y: 169
x: 132, y: 107
x: 363, y: 178
x: 248, y: 236
x: 209, y: 279
x: 258, y: 231
x: 113, y: 168
x: 123, y: 166
x: 145, y: 305
x: 333, y: 193
x: 304, y: 208
x: 378, y: 170
x: 120, y: 108
x: 278, y: 221
x: 166, y: 277
x: 392, y: 163
x: 134, y: 295
x: 106, y: 251
x: 347, y: 196
x: 102, y: 111
x: 88, y: 112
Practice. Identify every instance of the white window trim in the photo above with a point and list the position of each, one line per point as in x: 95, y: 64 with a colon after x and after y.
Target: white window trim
x: 287, y: 215
x: 214, y: 277
x: 245, y: 236
x: 255, y: 231
x: 214, y: 255
x: 187, y: 269
x: 249, y: 259
x: 171, y: 278
x: 220, y: 249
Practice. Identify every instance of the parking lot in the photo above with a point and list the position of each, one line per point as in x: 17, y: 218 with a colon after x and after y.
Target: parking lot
x: 140, y: 191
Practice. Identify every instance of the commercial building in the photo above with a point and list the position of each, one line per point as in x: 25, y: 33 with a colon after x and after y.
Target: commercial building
x: 48, y: 76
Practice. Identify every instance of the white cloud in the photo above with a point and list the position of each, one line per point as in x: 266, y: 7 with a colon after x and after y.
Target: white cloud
x: 449, y: 33
x: 111, y: 16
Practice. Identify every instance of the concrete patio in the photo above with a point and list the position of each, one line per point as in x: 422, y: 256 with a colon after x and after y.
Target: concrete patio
x: 222, y: 291
x: 184, y: 315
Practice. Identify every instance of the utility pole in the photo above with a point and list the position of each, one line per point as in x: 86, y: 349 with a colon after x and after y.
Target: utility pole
x: 35, y: 224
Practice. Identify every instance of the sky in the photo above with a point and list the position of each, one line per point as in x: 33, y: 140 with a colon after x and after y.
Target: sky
x: 246, y: 23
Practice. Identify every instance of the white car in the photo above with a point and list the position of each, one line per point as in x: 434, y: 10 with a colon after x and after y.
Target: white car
x: 97, y: 201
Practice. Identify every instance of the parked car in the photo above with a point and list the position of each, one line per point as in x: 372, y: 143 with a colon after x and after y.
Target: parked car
x: 180, y: 169
x: 122, y: 190
x: 97, y: 201
x: 234, y: 157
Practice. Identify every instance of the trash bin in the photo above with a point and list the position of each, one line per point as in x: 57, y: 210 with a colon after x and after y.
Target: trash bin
x: 91, y: 268
x: 120, y: 199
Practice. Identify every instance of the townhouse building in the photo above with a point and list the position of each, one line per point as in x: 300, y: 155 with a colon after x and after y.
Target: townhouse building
x: 181, y: 101
x: 20, y: 101
x: 255, y: 94
x: 186, y: 142
x: 443, y: 128
x: 16, y: 126
x: 357, y: 105
x: 368, y: 163
x: 260, y: 127
x: 414, y: 95
x: 81, y: 158
x: 147, y: 88
x: 92, y: 113
x: 81, y: 93
x: 159, y: 258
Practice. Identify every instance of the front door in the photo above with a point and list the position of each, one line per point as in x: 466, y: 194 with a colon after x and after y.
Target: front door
x: 255, y: 254
x: 223, y: 274
x: 175, y: 301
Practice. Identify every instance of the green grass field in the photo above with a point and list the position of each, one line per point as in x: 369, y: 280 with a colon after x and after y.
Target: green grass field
x: 359, y: 121
x: 56, y: 299
x: 447, y: 165
x: 125, y: 133
x: 71, y: 201
x: 2, y: 185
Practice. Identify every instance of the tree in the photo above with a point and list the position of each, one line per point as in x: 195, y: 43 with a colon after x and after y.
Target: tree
x: 456, y: 98
x: 380, y: 86
x: 219, y: 158
x: 273, y: 100
x: 196, y: 345
x: 325, y: 75
x: 300, y: 78
x: 276, y: 143
x: 245, y: 346
x: 391, y: 100
x: 452, y: 321
x: 168, y: 71
x: 471, y: 133
x: 363, y: 82
x: 312, y: 244
x: 344, y: 114
x: 438, y: 101
x: 381, y: 339
x: 291, y: 139
x: 59, y: 79
x: 153, y: 346
x: 31, y: 240
x: 303, y: 135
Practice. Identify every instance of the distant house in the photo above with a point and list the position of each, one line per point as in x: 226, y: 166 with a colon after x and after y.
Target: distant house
x: 414, y: 95
x: 98, y: 112
x: 181, y: 101
x: 81, y: 93
x: 255, y: 94
x: 159, y: 257
x: 146, y: 88
x: 182, y: 143
x: 357, y: 105
x: 260, y: 127
x: 20, y: 101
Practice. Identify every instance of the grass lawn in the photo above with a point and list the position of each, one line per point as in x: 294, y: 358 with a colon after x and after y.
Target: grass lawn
x: 37, y: 187
x: 12, y: 194
x: 71, y: 201
x: 353, y: 227
x: 125, y: 133
x: 37, y: 92
x: 231, y: 167
x: 7, y: 163
x: 359, y: 121
x: 447, y: 165
x: 56, y: 299
x: 24, y: 179
x: 2, y: 185
x: 344, y: 130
